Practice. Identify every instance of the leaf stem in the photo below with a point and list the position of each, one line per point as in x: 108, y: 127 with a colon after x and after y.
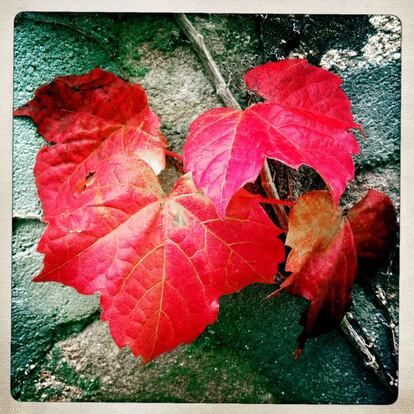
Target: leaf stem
x: 271, y: 191
x: 174, y: 155
x: 275, y: 201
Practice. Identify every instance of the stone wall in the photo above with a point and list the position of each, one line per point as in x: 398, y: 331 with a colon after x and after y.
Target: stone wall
x: 60, y: 349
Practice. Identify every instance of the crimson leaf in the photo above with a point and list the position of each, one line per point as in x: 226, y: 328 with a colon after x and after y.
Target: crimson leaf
x: 89, y: 117
x: 374, y: 225
x: 225, y: 148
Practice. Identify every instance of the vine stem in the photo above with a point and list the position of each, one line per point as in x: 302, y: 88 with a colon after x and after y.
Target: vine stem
x: 197, y: 41
x: 224, y: 93
x: 370, y: 360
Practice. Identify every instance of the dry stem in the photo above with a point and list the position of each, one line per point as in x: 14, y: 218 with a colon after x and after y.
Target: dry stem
x: 223, y: 91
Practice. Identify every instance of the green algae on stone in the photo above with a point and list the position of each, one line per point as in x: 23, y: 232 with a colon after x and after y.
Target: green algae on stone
x: 195, y: 373
x: 158, y: 31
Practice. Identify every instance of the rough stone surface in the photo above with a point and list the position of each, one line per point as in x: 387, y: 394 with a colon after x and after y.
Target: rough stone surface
x: 246, y: 355
x: 375, y: 92
x: 102, y: 371
x: 178, y: 90
x: 42, y: 312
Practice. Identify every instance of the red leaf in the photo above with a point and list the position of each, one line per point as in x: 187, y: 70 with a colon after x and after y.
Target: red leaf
x: 89, y: 117
x: 374, y: 224
x: 322, y: 262
x: 160, y: 262
x: 298, y: 85
x: 225, y: 149
x: 223, y: 153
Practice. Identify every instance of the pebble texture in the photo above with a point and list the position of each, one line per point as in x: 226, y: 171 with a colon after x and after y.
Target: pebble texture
x: 61, y: 351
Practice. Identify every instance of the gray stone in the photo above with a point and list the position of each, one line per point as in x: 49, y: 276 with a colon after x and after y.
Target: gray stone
x: 375, y: 93
x: 178, y: 90
x: 385, y: 179
x: 41, y: 312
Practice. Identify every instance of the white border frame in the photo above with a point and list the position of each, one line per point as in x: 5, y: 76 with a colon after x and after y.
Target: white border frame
x: 403, y: 9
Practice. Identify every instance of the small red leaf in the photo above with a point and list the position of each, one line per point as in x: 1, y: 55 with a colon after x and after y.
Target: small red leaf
x: 225, y: 149
x: 298, y: 85
x: 322, y: 262
x: 374, y: 224
x: 89, y: 117
x: 160, y: 262
x: 223, y: 152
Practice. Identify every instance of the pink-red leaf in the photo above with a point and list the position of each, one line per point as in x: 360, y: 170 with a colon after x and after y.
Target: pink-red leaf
x: 298, y: 85
x: 374, y: 225
x: 322, y: 262
x: 225, y: 148
x: 88, y: 118
x: 159, y: 262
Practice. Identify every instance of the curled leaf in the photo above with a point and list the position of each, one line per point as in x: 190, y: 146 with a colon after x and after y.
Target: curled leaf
x: 322, y: 262
x: 374, y: 225
x: 89, y: 118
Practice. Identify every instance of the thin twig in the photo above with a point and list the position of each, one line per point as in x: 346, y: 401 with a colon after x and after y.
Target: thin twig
x: 224, y: 93
x: 382, y: 300
x: 197, y: 40
x: 271, y: 191
x: 370, y: 360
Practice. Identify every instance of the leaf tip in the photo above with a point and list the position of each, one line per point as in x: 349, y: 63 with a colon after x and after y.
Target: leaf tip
x: 297, y: 353
x: 22, y: 111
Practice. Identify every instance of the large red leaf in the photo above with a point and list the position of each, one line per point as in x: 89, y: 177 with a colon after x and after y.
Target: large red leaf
x: 374, y: 225
x: 160, y: 262
x: 225, y: 148
x: 322, y: 262
x: 89, y: 117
